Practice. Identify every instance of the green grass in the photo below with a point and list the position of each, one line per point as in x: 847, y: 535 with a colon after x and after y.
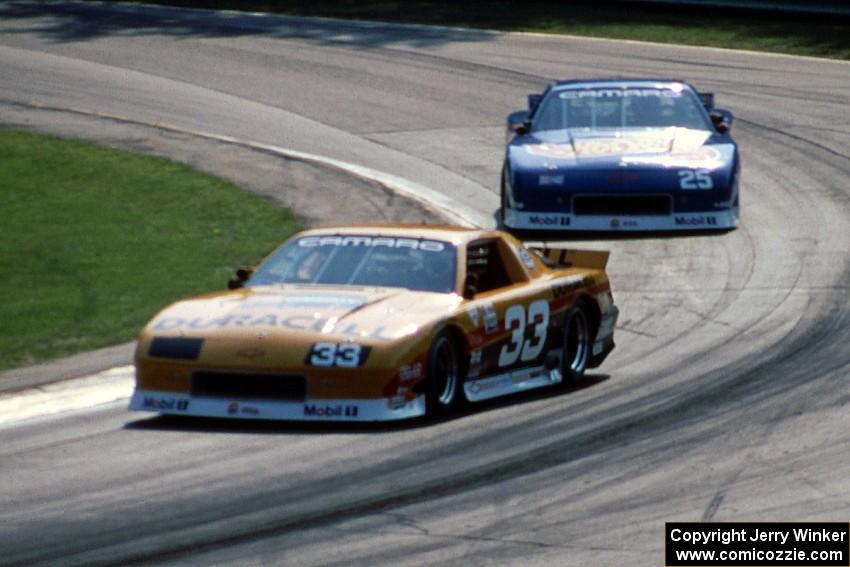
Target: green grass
x: 754, y: 30
x: 94, y: 241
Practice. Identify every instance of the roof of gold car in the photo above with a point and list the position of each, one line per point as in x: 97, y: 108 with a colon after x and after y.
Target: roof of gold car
x: 439, y: 232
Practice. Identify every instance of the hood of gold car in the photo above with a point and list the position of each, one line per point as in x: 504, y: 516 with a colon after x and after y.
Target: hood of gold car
x: 317, y: 311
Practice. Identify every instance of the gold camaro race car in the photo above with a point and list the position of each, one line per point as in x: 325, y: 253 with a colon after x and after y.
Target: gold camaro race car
x: 372, y: 323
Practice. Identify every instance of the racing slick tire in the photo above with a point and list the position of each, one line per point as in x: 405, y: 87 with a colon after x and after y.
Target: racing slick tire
x: 443, y: 387
x: 578, y: 342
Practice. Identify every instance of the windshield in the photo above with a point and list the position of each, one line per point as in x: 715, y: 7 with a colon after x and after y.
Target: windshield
x: 418, y: 264
x: 618, y: 108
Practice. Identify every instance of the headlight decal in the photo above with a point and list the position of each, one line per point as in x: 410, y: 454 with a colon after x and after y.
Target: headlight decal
x: 181, y: 348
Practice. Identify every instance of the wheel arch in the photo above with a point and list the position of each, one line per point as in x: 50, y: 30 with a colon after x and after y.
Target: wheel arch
x: 594, y: 314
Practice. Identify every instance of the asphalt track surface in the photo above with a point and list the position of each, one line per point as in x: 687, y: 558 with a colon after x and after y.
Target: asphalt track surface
x: 726, y: 398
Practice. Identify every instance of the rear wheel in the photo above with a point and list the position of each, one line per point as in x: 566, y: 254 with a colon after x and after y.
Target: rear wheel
x: 443, y: 387
x: 577, y: 344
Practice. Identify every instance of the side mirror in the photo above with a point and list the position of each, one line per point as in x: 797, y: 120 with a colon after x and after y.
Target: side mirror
x: 722, y: 120
x: 470, y: 286
x: 242, y: 275
x: 518, y: 124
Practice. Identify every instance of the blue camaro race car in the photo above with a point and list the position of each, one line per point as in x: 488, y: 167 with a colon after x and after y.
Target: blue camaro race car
x: 633, y: 155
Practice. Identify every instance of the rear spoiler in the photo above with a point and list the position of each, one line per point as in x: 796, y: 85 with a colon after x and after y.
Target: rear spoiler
x: 567, y: 258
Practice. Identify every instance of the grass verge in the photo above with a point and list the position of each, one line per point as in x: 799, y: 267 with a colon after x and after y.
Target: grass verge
x: 781, y: 32
x: 94, y: 241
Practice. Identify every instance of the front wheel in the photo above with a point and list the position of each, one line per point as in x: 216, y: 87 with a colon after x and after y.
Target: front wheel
x: 577, y: 344
x: 444, y: 379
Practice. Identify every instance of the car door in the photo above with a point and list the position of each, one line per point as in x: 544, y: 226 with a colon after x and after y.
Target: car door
x: 512, y: 306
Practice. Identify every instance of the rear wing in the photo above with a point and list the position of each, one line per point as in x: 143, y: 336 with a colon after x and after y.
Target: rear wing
x: 568, y: 258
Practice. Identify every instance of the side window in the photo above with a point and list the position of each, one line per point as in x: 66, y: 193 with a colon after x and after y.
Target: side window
x: 484, y: 261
